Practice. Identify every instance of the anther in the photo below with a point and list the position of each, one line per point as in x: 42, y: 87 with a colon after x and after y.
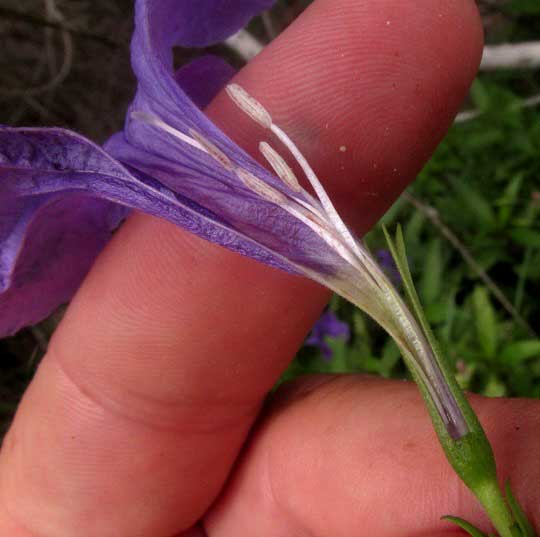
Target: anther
x: 326, y: 203
x: 279, y: 165
x: 213, y: 150
x: 260, y: 187
x: 250, y: 106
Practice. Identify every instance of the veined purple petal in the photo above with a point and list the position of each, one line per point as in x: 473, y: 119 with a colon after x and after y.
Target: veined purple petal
x: 191, y: 23
x: 56, y: 214
x: 198, y: 180
x: 187, y: 171
x: 61, y: 188
x: 161, y: 25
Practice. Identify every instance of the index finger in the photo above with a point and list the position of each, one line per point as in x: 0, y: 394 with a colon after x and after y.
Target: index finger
x: 158, y: 370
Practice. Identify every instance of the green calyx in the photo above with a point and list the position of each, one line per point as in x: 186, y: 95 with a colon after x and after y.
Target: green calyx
x: 469, y: 453
x: 520, y: 525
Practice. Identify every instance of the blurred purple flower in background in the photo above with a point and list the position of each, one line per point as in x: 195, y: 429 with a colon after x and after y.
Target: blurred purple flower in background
x: 387, y: 263
x: 328, y: 326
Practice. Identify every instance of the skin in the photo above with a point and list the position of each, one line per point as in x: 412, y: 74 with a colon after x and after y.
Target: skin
x: 135, y: 422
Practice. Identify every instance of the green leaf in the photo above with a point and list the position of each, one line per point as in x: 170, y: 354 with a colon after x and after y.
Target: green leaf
x: 437, y: 312
x: 494, y: 387
x: 509, y: 198
x: 338, y: 363
x: 486, y: 322
x: 480, y: 95
x: 400, y: 257
x: 431, y: 282
x: 390, y: 357
x: 519, y: 351
x: 524, y: 525
x: 479, y: 208
x: 526, y: 237
x: 483, y: 139
x: 473, y: 531
x: 391, y: 214
x: 414, y: 228
x: 523, y: 7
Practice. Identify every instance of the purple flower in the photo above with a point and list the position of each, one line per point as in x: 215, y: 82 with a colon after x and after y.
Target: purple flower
x: 328, y: 326
x: 387, y: 263
x: 61, y: 196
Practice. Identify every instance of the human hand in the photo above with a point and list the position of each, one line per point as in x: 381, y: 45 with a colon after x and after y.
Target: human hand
x: 137, y: 414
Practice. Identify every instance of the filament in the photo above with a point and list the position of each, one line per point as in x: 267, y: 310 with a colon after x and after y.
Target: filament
x: 154, y: 121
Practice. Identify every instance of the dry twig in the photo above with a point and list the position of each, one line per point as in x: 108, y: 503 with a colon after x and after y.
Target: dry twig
x: 244, y: 44
x: 433, y: 215
x: 511, y: 56
x: 15, y: 15
x: 55, y: 16
x: 467, y: 115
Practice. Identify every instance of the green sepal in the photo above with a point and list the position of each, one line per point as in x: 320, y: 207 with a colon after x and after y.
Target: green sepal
x: 473, y: 531
x: 519, y: 516
x: 471, y: 456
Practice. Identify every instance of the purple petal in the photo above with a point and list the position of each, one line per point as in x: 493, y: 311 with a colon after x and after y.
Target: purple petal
x: 194, y: 175
x: 57, y: 186
x: 162, y: 24
x: 159, y: 26
x: 48, y: 253
x: 263, y: 230
x: 203, y: 78
x: 193, y: 23
x: 55, y: 216
x: 333, y: 326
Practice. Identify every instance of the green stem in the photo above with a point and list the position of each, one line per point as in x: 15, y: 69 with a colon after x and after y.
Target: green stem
x: 492, y: 499
x: 469, y: 453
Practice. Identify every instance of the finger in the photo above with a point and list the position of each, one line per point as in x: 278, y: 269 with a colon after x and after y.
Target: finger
x: 161, y: 363
x: 355, y: 452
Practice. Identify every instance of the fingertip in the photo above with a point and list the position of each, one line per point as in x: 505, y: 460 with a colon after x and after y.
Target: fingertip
x: 371, y: 90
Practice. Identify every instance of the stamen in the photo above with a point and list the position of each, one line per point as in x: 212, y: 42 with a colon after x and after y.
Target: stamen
x: 258, y: 113
x: 279, y: 165
x: 323, y: 231
x: 369, y: 265
x: 319, y: 189
x: 213, y: 150
x: 260, y: 187
x: 283, y: 170
x: 308, y: 218
x: 154, y: 121
x: 253, y: 108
